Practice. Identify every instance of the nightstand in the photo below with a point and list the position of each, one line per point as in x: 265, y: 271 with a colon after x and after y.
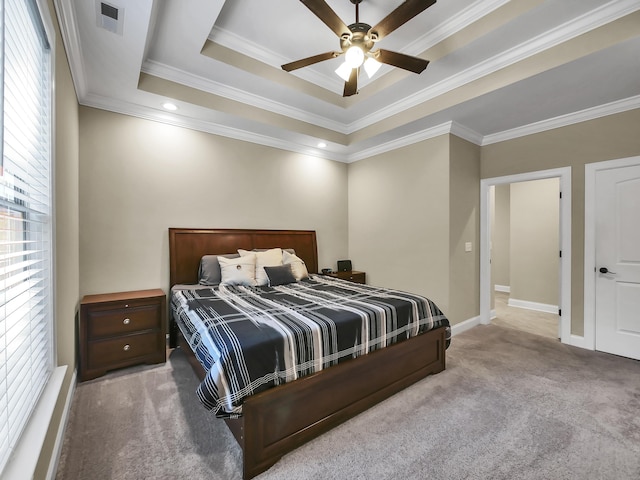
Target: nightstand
x: 352, y: 276
x: 121, y: 329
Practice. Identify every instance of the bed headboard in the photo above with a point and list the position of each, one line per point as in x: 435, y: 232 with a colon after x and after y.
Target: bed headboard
x: 188, y: 245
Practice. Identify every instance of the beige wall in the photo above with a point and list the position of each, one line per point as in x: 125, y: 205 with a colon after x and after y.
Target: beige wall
x: 500, y: 233
x: 464, y: 227
x: 535, y: 241
x: 399, y: 219
x: 138, y: 178
x: 607, y: 138
x: 67, y: 263
x: 411, y: 212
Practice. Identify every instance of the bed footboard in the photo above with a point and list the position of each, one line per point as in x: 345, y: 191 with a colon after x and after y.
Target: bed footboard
x: 281, y: 419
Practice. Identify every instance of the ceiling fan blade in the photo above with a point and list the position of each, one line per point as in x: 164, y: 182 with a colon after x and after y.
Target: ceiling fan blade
x: 400, y: 60
x: 328, y: 16
x: 400, y: 16
x: 351, y: 87
x: 305, y: 62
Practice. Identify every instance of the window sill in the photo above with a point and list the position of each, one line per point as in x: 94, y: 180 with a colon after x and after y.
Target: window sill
x: 23, y: 460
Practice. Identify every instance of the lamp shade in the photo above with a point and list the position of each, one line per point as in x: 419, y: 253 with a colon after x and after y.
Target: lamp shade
x: 344, y: 71
x: 371, y: 66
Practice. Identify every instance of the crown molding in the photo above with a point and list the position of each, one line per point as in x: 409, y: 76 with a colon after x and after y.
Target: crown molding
x: 463, y: 19
x: 176, y: 75
x: 258, y: 52
x: 71, y: 40
x: 400, y: 142
x: 152, y: 114
x: 564, y: 120
x: 466, y: 133
x: 349, y: 155
x: 595, y: 18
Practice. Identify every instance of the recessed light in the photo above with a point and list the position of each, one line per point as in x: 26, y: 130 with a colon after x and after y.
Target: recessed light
x: 169, y: 106
x: 322, y: 145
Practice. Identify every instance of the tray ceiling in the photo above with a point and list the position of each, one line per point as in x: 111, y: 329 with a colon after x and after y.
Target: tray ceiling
x: 499, y: 69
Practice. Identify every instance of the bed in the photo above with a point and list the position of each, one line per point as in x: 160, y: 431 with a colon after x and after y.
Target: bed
x: 277, y: 418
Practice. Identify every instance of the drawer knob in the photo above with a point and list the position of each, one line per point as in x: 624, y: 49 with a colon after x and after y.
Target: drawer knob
x: 127, y: 347
x: 126, y: 321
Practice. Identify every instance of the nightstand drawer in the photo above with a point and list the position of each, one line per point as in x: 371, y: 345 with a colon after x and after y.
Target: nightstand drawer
x: 357, y: 277
x: 107, y: 323
x: 122, y: 350
x: 352, y: 276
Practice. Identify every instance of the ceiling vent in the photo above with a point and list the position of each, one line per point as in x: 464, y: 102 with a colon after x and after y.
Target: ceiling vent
x: 110, y: 17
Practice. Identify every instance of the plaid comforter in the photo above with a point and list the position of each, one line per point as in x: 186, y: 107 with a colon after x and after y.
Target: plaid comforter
x: 249, y: 339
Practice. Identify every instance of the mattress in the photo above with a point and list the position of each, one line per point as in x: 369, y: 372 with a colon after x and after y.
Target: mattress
x: 249, y: 339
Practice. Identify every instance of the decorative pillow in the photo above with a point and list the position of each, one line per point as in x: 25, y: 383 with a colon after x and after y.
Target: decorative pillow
x: 280, y: 275
x: 209, y: 271
x: 298, y: 267
x: 268, y: 258
x: 290, y: 250
x: 238, y: 271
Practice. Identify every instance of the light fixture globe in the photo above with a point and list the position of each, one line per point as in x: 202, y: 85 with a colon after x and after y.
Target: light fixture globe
x: 344, y: 71
x: 371, y: 66
x: 354, y: 56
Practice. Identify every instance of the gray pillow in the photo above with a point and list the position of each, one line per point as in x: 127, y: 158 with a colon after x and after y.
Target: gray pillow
x: 209, y: 271
x: 280, y: 275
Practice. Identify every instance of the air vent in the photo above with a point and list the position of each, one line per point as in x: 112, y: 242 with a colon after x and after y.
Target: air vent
x: 110, y: 17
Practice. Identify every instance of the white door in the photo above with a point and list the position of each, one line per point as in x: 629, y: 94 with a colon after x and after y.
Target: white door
x: 617, y: 199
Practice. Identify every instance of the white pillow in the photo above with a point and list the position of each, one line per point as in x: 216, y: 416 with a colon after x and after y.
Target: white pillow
x: 238, y: 271
x: 268, y: 258
x: 298, y: 267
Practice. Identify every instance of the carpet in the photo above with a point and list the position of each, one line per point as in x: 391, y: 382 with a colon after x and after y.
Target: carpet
x: 509, y: 405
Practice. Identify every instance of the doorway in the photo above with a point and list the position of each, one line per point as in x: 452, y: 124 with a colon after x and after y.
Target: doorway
x: 525, y: 262
x: 486, y: 285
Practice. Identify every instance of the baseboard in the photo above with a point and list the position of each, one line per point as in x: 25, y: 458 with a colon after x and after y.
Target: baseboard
x: 577, y: 341
x: 62, y: 428
x: 502, y: 288
x: 493, y: 314
x: 540, y: 307
x: 465, y: 325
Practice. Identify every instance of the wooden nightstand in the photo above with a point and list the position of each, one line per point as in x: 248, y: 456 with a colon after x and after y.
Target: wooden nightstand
x: 352, y: 276
x: 121, y: 329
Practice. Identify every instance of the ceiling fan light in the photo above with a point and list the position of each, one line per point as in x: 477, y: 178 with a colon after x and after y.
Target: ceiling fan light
x: 354, y: 56
x: 371, y: 66
x: 344, y: 71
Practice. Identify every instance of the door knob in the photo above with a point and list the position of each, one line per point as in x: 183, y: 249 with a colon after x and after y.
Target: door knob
x: 606, y: 270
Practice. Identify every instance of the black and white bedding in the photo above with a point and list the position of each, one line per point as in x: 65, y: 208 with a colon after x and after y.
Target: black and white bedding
x: 251, y: 338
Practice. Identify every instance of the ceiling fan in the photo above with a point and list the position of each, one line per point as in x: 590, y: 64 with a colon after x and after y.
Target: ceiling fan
x: 358, y: 39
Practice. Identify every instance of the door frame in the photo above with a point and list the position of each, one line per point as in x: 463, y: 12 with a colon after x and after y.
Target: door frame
x: 564, y: 175
x: 590, y: 172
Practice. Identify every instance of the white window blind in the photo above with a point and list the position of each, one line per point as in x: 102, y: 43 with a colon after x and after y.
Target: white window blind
x: 26, y: 324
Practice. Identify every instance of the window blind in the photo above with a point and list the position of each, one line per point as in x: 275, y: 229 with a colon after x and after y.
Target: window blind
x: 26, y: 320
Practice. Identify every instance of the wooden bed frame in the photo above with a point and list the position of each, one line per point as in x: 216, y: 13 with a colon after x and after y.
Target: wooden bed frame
x: 281, y: 419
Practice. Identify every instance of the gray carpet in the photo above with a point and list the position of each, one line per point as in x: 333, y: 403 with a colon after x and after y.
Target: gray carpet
x: 510, y: 405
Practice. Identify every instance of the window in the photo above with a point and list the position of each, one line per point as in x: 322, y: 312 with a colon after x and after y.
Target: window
x: 26, y: 320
